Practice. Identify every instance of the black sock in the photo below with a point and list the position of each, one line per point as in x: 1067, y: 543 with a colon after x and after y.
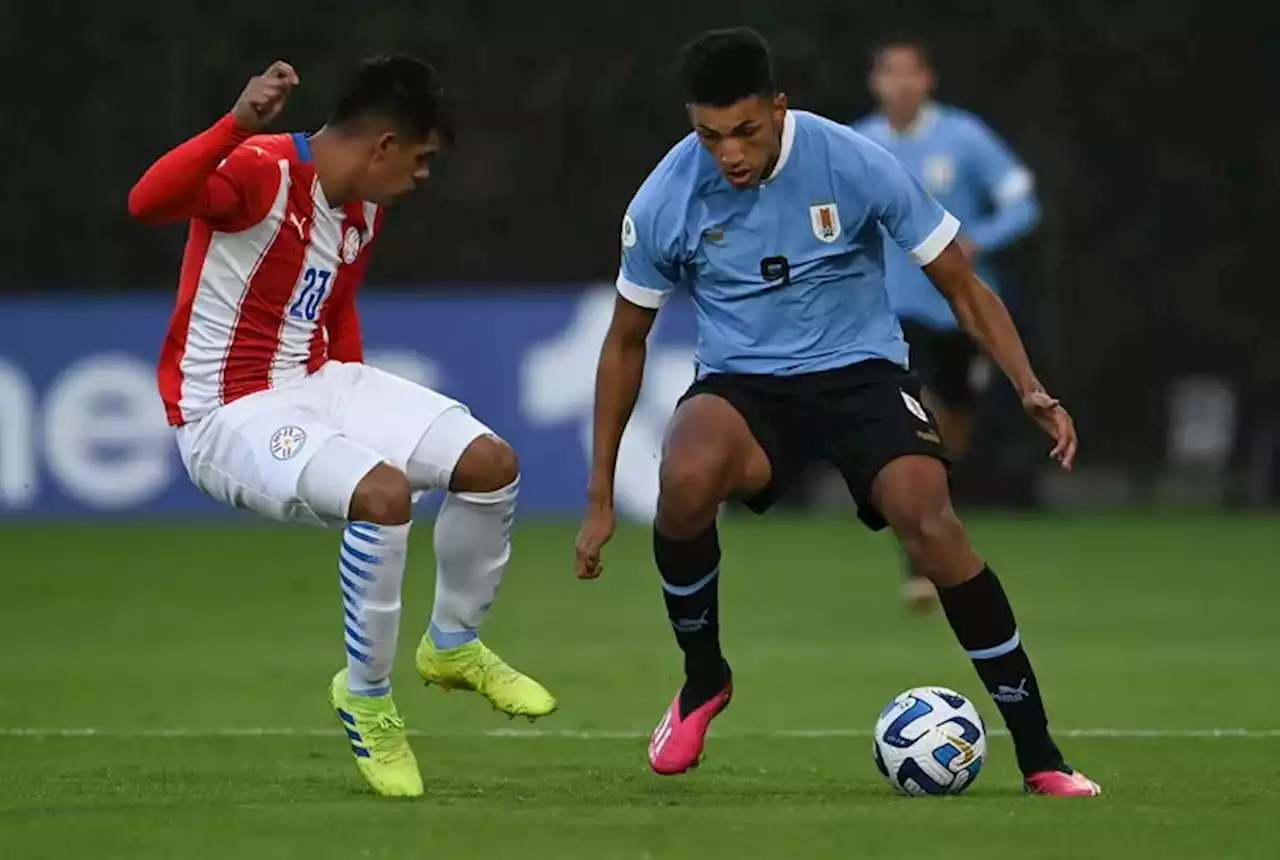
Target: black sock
x: 983, y: 621
x: 690, y: 572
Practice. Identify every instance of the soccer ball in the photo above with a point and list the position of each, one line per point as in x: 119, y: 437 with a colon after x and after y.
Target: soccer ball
x: 930, y: 740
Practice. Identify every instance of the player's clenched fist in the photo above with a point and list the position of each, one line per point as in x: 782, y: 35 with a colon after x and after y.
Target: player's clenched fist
x: 264, y: 96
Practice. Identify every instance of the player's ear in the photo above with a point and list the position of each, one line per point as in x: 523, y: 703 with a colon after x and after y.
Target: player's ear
x: 384, y: 142
x: 779, y: 107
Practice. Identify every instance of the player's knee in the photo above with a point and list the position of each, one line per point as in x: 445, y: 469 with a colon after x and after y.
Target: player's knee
x: 688, y: 496
x: 383, y: 496
x: 488, y: 464
x: 934, y: 540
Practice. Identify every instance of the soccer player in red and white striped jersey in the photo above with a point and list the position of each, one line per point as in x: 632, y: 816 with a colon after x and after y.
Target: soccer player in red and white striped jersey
x: 262, y: 377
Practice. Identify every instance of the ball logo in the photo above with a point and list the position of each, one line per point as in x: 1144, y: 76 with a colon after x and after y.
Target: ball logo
x: 350, y: 245
x: 287, y: 442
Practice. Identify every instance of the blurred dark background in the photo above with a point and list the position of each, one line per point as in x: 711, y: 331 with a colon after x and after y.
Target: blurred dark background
x: 1146, y: 124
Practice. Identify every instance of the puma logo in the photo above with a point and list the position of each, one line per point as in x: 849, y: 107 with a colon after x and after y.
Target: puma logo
x: 1011, y: 695
x: 691, y: 625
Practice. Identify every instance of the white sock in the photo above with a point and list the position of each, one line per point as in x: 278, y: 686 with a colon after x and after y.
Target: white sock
x: 371, y: 570
x: 473, y: 544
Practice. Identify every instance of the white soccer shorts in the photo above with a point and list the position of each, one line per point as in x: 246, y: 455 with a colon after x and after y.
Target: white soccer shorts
x: 251, y: 453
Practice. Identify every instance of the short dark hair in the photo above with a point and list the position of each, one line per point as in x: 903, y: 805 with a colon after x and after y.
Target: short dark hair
x: 399, y: 88
x: 902, y: 40
x: 721, y: 67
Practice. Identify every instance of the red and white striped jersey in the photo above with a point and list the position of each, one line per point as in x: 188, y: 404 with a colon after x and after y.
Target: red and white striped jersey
x: 269, y: 275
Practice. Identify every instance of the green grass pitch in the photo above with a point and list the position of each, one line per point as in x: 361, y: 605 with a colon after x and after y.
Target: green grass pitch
x: 196, y: 660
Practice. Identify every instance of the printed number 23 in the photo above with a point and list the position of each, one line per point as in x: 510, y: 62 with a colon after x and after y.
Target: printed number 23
x: 315, y: 283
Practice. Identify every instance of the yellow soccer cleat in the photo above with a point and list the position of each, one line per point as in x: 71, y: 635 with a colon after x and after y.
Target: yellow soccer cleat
x: 378, y: 740
x: 474, y: 667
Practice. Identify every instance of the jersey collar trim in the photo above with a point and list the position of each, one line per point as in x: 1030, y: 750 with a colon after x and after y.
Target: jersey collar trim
x: 788, y: 141
x: 303, y: 146
x: 920, y: 125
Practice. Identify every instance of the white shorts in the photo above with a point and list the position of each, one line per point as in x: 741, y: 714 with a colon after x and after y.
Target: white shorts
x: 251, y: 453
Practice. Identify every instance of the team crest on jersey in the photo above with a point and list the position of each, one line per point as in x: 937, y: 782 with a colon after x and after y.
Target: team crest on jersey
x: 350, y: 245
x: 287, y: 442
x: 825, y: 218
x: 939, y: 173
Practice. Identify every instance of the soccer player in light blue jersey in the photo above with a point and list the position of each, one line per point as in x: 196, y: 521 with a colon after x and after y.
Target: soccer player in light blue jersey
x: 770, y: 218
x: 977, y: 178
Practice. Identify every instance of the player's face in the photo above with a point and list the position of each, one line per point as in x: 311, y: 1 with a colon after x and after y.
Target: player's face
x: 745, y: 138
x: 901, y: 80
x: 396, y: 165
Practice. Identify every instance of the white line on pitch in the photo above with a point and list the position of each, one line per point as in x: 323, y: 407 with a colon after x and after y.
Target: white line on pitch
x: 595, y: 734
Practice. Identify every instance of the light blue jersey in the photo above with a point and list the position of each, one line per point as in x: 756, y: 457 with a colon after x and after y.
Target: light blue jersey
x: 787, y: 277
x: 971, y: 172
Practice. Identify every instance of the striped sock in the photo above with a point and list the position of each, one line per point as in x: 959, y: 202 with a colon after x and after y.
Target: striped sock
x: 371, y: 570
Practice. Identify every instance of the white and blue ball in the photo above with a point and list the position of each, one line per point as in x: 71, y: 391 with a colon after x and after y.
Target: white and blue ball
x: 930, y: 740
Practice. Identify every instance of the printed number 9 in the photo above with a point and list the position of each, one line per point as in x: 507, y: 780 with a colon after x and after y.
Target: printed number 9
x: 315, y: 284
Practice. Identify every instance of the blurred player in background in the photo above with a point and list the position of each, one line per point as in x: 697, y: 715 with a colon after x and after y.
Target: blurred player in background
x: 771, y: 219
x: 262, y: 377
x: 975, y: 176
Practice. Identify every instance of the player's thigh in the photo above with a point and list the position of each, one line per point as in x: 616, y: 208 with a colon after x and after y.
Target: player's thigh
x: 720, y: 443
x: 418, y: 430
x: 876, y: 419
x: 253, y: 453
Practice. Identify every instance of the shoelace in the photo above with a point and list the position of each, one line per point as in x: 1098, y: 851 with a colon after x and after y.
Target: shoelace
x: 386, y: 741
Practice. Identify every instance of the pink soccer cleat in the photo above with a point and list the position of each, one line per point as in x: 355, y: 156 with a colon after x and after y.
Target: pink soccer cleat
x: 1057, y: 783
x: 676, y: 745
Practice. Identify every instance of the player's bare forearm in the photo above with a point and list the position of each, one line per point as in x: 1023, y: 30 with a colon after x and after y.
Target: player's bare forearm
x: 982, y: 314
x: 618, y: 379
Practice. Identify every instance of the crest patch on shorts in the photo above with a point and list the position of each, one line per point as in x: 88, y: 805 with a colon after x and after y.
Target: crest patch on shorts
x: 287, y: 442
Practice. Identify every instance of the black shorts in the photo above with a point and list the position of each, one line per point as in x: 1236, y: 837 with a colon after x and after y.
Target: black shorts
x: 952, y: 366
x: 857, y: 418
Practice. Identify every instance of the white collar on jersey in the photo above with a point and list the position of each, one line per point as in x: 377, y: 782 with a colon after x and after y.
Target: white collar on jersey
x: 924, y: 121
x: 788, y: 140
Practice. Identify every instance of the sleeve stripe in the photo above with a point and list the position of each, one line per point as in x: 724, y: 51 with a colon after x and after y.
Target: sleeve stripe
x: 642, y: 296
x: 1015, y: 185
x: 937, y: 241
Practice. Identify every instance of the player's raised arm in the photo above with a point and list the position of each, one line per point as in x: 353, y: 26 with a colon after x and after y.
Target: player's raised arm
x: 920, y: 226
x: 645, y: 279
x: 191, y: 180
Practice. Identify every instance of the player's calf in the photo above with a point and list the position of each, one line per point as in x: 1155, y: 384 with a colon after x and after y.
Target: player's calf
x: 710, y: 455
x: 371, y: 564
x: 473, y: 546
x: 693, y: 481
x: 911, y: 493
x: 473, y: 531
